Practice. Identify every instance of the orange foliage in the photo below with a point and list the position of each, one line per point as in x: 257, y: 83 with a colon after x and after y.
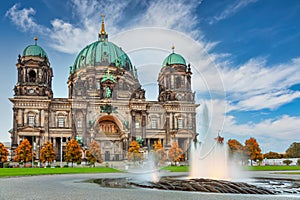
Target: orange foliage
x: 252, y: 150
x: 95, y: 151
x: 23, y: 152
x: 175, y: 153
x: 73, y: 152
x: 159, y: 152
x: 3, y: 153
x: 134, y: 153
x: 47, y: 153
x: 235, y: 147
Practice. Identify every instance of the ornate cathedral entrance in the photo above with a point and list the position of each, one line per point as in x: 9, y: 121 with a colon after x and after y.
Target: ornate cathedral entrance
x: 110, y: 136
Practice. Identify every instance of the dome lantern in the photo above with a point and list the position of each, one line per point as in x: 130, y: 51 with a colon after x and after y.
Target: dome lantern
x: 35, y: 50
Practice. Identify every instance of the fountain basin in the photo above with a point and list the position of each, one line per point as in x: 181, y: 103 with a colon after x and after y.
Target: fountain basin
x: 195, y: 185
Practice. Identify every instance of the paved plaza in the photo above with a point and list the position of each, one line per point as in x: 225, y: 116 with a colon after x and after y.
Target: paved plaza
x: 74, y: 187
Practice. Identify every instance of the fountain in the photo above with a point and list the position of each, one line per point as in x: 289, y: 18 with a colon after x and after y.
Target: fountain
x: 208, y: 150
x: 209, y: 170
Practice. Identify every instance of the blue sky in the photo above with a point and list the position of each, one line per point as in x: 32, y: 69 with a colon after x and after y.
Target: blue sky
x: 244, y: 54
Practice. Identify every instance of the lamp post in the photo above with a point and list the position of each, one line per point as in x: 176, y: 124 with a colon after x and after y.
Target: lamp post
x: 32, y: 150
x: 61, y: 151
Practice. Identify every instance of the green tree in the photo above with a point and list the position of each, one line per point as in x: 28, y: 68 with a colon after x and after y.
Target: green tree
x: 134, y: 153
x: 252, y: 150
x: 287, y: 162
x: 23, y: 152
x: 73, y: 152
x: 175, y: 153
x: 294, y: 150
x: 47, y: 153
x: 159, y: 153
x: 3, y: 153
x: 95, y: 150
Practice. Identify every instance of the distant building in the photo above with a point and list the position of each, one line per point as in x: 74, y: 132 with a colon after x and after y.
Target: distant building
x: 105, y: 103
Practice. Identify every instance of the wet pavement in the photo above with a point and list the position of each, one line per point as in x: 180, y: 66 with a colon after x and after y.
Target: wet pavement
x: 75, y: 186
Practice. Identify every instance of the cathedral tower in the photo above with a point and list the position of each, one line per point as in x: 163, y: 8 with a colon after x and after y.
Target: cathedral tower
x: 32, y: 96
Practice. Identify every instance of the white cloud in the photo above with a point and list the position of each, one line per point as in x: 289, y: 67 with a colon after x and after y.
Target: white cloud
x: 251, y: 86
x: 177, y: 15
x: 23, y: 18
x: 254, y: 85
x: 231, y: 10
x: 282, y: 131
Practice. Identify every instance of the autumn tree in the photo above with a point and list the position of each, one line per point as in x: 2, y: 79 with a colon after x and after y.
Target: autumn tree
x: 159, y: 153
x: 23, y: 152
x: 272, y: 155
x: 73, y: 152
x: 294, y: 150
x: 175, y: 153
x: 252, y: 150
x: 236, y: 150
x: 95, y: 150
x: 90, y: 157
x: 134, y: 153
x: 3, y: 153
x: 47, y: 153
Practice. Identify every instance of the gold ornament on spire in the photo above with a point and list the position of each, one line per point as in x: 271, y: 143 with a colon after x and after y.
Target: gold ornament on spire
x: 102, y: 35
x: 173, y: 47
x: 102, y: 25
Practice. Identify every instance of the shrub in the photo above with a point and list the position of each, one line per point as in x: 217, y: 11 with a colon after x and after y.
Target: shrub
x: 298, y: 162
x: 287, y: 162
x: 66, y: 166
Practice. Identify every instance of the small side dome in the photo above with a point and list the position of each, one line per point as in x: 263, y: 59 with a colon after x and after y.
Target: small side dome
x: 34, y: 50
x: 174, y: 58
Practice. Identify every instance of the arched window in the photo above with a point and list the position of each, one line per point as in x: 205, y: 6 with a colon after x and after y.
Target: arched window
x: 32, y: 76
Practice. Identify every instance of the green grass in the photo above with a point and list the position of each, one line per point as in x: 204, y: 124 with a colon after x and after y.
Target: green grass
x: 248, y: 168
x: 8, y: 172
x: 271, y: 168
x: 176, y: 168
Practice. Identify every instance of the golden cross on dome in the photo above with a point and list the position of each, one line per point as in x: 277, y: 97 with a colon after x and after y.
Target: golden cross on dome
x: 107, y: 71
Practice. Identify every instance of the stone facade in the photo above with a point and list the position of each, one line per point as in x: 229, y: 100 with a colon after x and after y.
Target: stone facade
x: 105, y: 103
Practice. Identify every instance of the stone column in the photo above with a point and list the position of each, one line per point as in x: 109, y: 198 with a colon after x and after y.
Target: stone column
x: 144, y: 125
x: 133, y: 131
x: 14, y: 138
x: 167, y: 136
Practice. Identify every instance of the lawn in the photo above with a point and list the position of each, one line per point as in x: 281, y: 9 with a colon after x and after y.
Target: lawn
x: 247, y: 168
x: 272, y: 168
x: 8, y: 172
x: 176, y: 168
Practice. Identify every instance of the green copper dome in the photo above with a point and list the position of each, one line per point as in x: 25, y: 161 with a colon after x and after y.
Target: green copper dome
x: 102, y: 53
x: 34, y: 50
x: 174, y: 58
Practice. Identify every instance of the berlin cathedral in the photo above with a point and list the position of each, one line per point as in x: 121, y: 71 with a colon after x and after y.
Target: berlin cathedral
x: 105, y: 103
